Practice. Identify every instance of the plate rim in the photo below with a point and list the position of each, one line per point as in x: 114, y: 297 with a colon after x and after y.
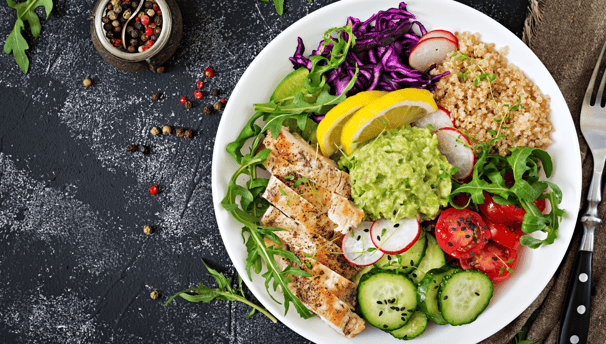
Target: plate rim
x: 219, y: 147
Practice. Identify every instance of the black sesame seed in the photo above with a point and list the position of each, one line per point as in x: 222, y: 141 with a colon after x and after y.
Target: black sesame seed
x: 414, y: 275
x: 470, y: 253
x: 380, y: 313
x: 459, y: 223
x: 494, y: 258
x: 366, y: 230
x: 410, y: 311
x: 467, y: 236
x: 403, y: 319
x: 396, y: 225
x: 508, y: 227
x: 484, y: 227
x: 450, y: 244
x: 436, y: 287
x: 461, y: 219
x: 388, y: 257
x: 485, y: 240
x: 378, y: 238
x: 379, y: 302
x: 469, y: 219
x: 463, y: 228
x: 384, y: 326
x: 477, y: 294
x: 475, y: 238
x: 446, y: 297
x: 454, y: 228
x: 392, y: 307
x: 392, y: 300
x: 358, y: 238
x: 412, y: 262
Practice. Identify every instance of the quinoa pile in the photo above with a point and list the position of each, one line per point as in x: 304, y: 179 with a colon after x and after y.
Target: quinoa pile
x: 473, y: 108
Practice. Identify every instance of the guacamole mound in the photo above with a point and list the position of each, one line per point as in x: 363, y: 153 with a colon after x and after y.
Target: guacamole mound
x: 400, y: 174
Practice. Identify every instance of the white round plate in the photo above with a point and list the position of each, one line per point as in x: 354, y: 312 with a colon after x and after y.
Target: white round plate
x: 536, y: 267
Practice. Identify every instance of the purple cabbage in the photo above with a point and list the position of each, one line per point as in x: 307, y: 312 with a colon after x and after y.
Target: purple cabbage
x: 383, y: 44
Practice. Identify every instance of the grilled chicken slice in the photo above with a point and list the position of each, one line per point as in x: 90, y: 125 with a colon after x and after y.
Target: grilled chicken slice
x: 344, y: 213
x: 301, y: 242
x: 307, y: 161
x: 336, y: 284
x: 298, y: 208
x: 329, y: 307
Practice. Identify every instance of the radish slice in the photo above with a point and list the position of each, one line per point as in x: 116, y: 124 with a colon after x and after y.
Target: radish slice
x: 438, y: 119
x: 430, y: 51
x: 359, y: 249
x: 441, y: 33
x: 393, y: 238
x: 457, y: 150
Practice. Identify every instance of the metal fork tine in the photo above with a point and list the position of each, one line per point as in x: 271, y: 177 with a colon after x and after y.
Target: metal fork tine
x: 587, y: 99
x: 598, y: 99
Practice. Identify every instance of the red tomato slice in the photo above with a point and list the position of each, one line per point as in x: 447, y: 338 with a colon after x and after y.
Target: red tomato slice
x: 505, y: 214
x: 461, y: 232
x: 491, y: 259
x: 506, y: 235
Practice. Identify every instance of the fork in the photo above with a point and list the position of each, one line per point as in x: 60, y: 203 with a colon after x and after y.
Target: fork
x: 574, y: 320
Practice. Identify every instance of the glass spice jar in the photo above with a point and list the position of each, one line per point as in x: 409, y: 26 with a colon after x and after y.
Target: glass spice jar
x: 106, y: 41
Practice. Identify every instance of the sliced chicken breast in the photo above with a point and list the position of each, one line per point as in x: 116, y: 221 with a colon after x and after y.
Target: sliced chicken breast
x: 344, y: 213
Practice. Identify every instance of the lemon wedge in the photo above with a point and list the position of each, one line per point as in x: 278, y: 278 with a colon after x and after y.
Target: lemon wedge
x: 391, y: 111
x: 329, y: 129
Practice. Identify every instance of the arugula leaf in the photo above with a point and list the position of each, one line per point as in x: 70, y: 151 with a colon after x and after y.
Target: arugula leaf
x: 223, y: 292
x: 15, y: 43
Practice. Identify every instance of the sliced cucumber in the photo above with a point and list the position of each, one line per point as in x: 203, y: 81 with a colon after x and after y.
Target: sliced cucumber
x: 406, y: 261
x: 427, y: 292
x: 464, y: 295
x: 356, y: 279
x: 413, y: 328
x: 434, y: 258
x: 387, y: 300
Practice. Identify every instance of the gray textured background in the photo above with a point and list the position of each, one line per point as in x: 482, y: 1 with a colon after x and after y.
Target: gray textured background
x: 75, y: 265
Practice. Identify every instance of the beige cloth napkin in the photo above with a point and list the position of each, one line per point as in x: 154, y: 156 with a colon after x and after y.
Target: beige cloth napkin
x: 567, y: 36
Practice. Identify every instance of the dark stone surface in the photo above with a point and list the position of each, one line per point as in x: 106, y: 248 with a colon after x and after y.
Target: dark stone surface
x: 75, y: 264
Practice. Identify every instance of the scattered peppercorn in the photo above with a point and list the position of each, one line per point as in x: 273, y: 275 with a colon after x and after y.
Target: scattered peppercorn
x: 146, y: 150
x: 183, y: 100
x: 208, y: 110
x: 188, y: 105
x: 156, y: 96
x: 87, y: 82
x: 154, y: 295
x: 198, y: 94
x: 153, y: 189
x: 155, y: 131
x: 160, y: 69
x: 166, y: 130
x: 132, y: 148
x: 189, y: 134
x: 218, y: 106
x: 223, y: 101
x: 180, y: 132
x: 209, y: 72
x: 148, y: 230
x: 200, y: 84
x: 214, y: 92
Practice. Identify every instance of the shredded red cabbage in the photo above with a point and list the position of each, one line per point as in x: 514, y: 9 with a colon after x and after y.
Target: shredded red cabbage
x: 383, y: 44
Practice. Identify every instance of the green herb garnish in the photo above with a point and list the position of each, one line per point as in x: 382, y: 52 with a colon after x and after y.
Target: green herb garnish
x: 279, y: 4
x: 15, y: 43
x: 224, y: 292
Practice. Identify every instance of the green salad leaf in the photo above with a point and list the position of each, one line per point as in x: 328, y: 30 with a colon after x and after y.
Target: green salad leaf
x: 223, y: 292
x: 15, y: 43
x: 524, y: 163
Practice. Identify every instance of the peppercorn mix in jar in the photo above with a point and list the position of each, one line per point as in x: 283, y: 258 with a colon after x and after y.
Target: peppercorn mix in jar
x: 141, y: 32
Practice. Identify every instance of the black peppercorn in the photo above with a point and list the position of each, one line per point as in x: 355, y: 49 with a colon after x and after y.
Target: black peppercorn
x: 156, y: 96
x: 158, y: 20
x: 138, y: 25
x: 124, y: 4
x: 157, y: 31
x: 146, y: 150
x: 208, y: 110
x: 214, y: 92
x: 143, y: 38
x: 105, y: 19
x: 122, y: 19
x: 180, y: 132
x: 108, y: 26
x: 189, y: 134
x: 133, y: 42
x: 117, y: 29
x: 149, y: 4
x: 188, y: 105
x: 134, y: 4
x: 109, y: 34
x: 132, y: 148
x: 218, y: 106
x: 153, y: 38
x: 134, y: 33
x: 109, y: 7
x: 131, y: 49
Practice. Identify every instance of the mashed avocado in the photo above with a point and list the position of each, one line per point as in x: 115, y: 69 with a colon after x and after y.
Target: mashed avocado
x: 400, y: 174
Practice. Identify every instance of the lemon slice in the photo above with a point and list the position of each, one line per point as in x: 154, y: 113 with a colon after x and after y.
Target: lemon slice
x: 329, y: 129
x: 391, y: 111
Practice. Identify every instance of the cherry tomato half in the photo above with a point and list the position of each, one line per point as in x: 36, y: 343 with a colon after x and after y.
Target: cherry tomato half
x: 494, y: 260
x: 461, y: 232
x: 505, y: 214
x: 506, y: 235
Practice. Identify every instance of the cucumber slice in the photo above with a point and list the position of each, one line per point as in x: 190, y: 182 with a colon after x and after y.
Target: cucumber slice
x: 464, y: 295
x: 434, y: 258
x: 356, y: 279
x: 427, y: 293
x: 407, y: 260
x: 292, y: 84
x: 413, y: 328
x: 387, y: 300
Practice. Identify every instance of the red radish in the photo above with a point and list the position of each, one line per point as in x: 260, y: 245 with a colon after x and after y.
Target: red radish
x: 430, y: 51
x: 393, y: 238
x: 438, y: 119
x: 359, y: 249
x: 441, y: 33
x: 457, y: 150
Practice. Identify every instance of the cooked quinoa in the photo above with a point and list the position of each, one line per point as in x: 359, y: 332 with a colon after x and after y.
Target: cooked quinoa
x: 473, y: 108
